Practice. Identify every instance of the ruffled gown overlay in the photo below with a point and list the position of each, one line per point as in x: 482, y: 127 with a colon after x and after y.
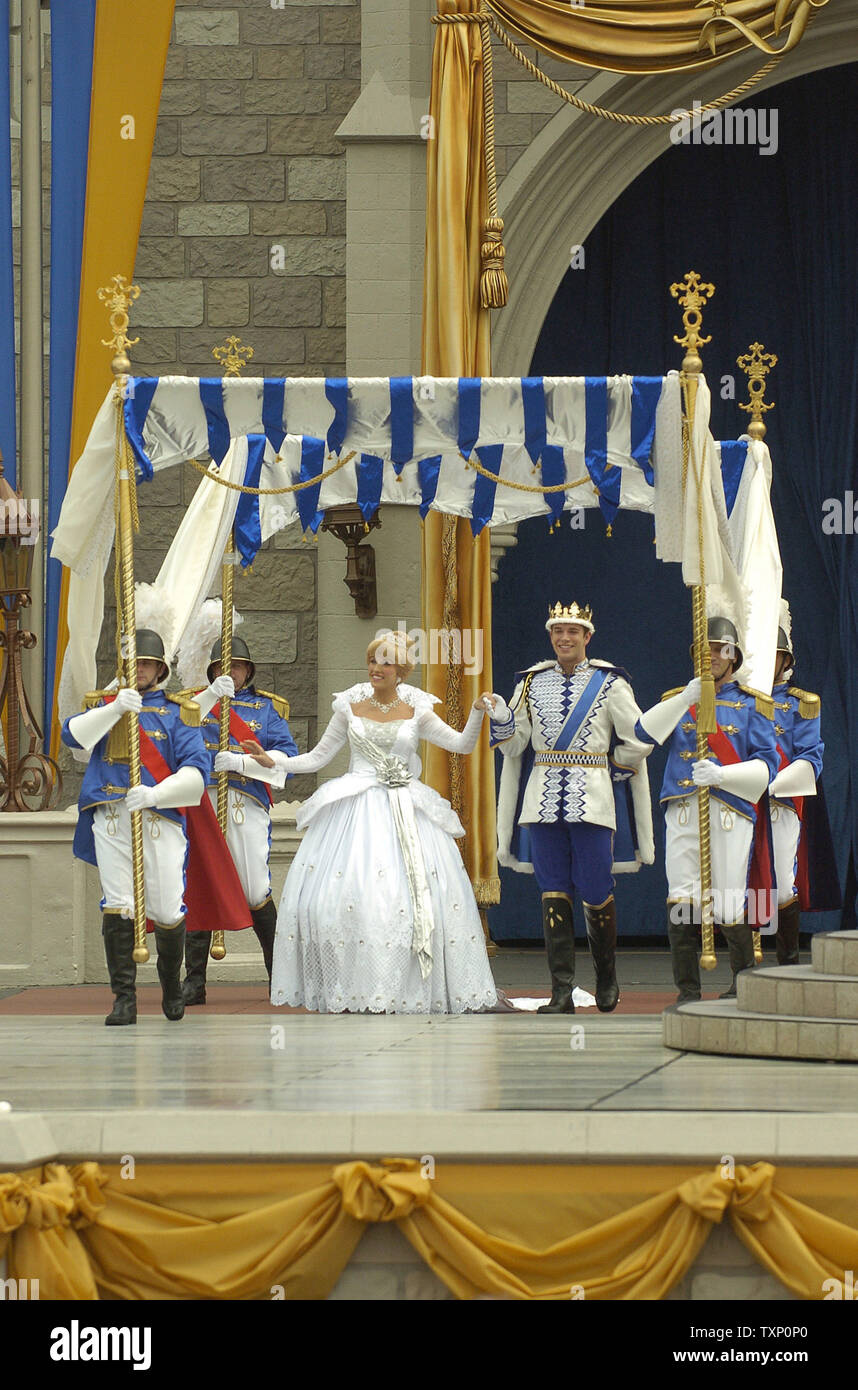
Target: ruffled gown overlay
x: 377, y: 913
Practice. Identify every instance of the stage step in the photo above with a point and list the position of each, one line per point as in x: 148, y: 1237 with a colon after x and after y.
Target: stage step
x: 780, y: 1011
x: 717, y: 1025
x: 797, y: 991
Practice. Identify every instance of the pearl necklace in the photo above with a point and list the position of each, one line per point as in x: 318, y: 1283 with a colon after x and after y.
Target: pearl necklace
x: 384, y: 708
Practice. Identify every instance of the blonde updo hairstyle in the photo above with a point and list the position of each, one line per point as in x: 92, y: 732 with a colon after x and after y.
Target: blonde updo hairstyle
x: 392, y: 648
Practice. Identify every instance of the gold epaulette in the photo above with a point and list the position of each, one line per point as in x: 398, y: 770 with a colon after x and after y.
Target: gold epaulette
x: 764, y: 703
x: 669, y: 693
x: 189, y: 710
x: 95, y: 697
x: 281, y: 706
x: 808, y: 703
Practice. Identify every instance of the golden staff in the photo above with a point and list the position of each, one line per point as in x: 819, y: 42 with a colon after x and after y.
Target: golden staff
x: 692, y: 296
x: 119, y: 296
x: 232, y: 358
x: 756, y: 363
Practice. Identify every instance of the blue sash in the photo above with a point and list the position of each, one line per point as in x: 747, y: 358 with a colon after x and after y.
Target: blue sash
x: 576, y: 717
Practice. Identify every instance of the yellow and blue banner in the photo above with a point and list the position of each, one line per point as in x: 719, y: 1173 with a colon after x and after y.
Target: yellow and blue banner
x: 108, y: 60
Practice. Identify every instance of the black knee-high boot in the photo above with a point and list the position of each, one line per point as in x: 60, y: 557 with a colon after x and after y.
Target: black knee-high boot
x: 602, y: 936
x: 265, y: 926
x: 684, y: 949
x: 559, y: 932
x: 740, y: 942
x: 197, y: 946
x: 118, y: 934
x: 170, y: 942
x: 786, y: 939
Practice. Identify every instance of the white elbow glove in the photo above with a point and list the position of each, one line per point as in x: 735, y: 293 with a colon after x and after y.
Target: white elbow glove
x: 222, y: 687
x: 746, y: 780
x: 660, y: 721
x: 91, y: 726
x: 500, y: 712
x: 247, y: 766
x: 229, y: 762
x: 184, y: 788
x: 796, y: 779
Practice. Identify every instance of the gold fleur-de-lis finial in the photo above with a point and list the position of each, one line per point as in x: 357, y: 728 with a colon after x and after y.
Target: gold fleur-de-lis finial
x: 692, y: 294
x: 233, y: 356
x: 119, y: 296
x: 756, y: 363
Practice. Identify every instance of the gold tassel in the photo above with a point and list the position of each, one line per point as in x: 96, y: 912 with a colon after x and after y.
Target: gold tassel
x: 706, y: 722
x: 494, y: 286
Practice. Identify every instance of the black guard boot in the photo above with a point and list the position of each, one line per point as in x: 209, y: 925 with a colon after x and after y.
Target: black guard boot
x: 197, y: 946
x: 684, y: 948
x: 170, y: 942
x: 559, y: 931
x: 118, y: 934
x: 786, y: 939
x: 602, y: 936
x: 740, y: 942
x: 265, y: 926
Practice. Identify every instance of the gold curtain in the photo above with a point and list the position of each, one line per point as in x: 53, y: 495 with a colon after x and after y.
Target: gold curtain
x: 456, y: 575
x: 636, y: 36
x: 236, y: 1231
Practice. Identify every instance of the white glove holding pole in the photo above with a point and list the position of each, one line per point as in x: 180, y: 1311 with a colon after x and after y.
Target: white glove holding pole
x: 660, y: 721
x: 498, y: 709
x: 796, y: 779
x: 221, y: 688
x: 91, y: 726
x: 184, y: 788
x: 746, y: 780
x: 229, y: 762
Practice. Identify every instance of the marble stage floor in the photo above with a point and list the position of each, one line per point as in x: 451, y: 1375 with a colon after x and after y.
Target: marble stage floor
x: 269, y: 1085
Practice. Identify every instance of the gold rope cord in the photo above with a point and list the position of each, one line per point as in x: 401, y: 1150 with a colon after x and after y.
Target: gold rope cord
x: 621, y: 117
x: 205, y: 469
x: 528, y: 487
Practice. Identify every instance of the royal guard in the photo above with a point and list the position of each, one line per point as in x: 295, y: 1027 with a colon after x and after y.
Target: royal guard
x: 574, y: 786
x: 175, y: 767
x: 797, y: 822
x: 258, y: 722
x: 741, y: 761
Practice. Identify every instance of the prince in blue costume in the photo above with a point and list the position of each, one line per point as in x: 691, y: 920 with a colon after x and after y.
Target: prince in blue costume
x: 174, y: 770
x: 568, y: 741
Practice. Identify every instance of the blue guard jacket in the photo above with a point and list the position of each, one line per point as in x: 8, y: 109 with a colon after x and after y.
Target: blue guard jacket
x: 266, y: 717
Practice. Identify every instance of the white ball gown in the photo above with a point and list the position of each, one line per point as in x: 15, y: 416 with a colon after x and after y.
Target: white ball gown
x: 377, y: 913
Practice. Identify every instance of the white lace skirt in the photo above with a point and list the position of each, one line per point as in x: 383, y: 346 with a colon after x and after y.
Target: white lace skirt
x: 344, y: 925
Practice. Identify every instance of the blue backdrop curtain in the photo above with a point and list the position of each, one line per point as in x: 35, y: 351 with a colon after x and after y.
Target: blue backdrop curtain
x: 7, y: 301
x: 778, y: 235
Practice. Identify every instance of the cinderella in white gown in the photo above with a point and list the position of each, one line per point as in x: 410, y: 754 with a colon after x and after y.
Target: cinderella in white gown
x: 377, y: 913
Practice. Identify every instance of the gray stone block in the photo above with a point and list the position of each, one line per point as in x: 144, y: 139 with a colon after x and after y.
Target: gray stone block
x: 223, y: 98
x: 341, y: 26
x: 320, y: 179
x: 285, y: 581
x: 273, y: 349
x: 286, y: 97
x: 291, y: 135
x: 314, y: 255
x: 337, y: 220
x: 176, y: 303
x: 281, y: 62
x: 156, y: 346
x: 180, y: 98
x: 230, y: 256
x: 175, y: 65
x: 280, y: 27
x: 213, y: 63
x: 300, y: 687
x: 272, y: 637
x: 158, y: 257
x: 224, y: 135
x: 205, y: 27
x: 293, y: 301
x: 227, y: 303
x: 166, y: 140
x: 327, y: 61
x: 326, y: 344
x: 158, y: 220
x: 244, y: 180
x: 351, y: 66
x: 335, y: 301
x: 214, y: 219
x: 286, y: 219
x: 341, y: 95
x: 173, y: 180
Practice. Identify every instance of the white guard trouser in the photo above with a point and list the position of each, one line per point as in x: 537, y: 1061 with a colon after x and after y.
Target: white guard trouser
x: 786, y: 828
x: 164, y: 850
x: 730, y: 838
x: 248, y: 836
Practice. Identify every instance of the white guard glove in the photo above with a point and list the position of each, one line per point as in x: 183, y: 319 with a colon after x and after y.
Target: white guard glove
x: 128, y: 700
x: 796, y: 779
x: 707, y: 774
x: 691, y: 693
x: 229, y: 762
x: 139, y: 798
x: 222, y: 687
x: 660, y: 721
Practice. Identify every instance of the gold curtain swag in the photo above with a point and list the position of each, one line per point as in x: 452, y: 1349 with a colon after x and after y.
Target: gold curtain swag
x: 258, y: 1231
x: 633, y: 37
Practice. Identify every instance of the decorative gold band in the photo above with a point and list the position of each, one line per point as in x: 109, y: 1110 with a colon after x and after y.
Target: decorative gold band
x: 551, y: 759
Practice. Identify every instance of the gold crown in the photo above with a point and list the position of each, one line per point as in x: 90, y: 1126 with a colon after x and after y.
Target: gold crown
x: 570, y: 613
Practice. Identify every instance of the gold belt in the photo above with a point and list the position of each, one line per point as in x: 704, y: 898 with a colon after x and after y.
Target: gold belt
x: 572, y: 759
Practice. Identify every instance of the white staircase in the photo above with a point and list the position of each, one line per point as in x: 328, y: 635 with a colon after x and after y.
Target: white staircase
x: 794, y: 1011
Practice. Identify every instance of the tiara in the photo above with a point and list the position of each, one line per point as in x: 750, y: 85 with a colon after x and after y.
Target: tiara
x: 571, y: 613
